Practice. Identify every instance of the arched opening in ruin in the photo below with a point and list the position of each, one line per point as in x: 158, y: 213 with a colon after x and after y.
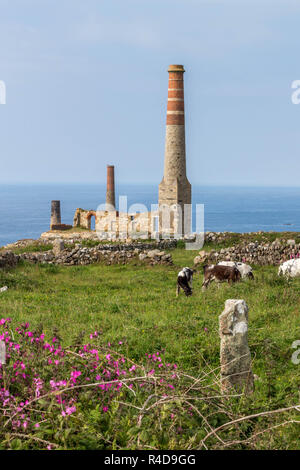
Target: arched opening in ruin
x: 91, y: 221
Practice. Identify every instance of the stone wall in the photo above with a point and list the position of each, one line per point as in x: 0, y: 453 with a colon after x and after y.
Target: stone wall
x: 8, y: 259
x: 216, y: 237
x: 61, y: 227
x: 107, y: 254
x: 69, y: 237
x: 148, y: 253
x: 273, y: 253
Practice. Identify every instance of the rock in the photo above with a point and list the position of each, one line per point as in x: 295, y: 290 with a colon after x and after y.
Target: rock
x: 203, y: 255
x: 58, y: 246
x: 153, y: 253
x: 3, y: 289
x: 197, y: 260
x: 201, y: 258
x: 235, y: 355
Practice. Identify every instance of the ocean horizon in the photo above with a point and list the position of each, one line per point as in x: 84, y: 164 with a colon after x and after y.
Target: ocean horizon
x: 25, y: 208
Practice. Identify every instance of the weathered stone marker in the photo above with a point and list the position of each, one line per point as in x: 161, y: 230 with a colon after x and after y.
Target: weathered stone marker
x: 58, y: 246
x: 235, y: 354
x: 2, y: 352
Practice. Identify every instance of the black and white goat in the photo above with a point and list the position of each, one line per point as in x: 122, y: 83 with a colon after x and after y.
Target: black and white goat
x: 185, y: 281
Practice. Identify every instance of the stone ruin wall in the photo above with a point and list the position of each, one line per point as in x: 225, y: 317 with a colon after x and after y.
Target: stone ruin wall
x: 114, y: 225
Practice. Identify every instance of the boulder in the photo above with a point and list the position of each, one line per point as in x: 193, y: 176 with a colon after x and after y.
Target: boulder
x: 153, y: 253
x: 201, y: 258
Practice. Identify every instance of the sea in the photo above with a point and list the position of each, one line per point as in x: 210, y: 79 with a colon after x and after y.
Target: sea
x: 25, y: 209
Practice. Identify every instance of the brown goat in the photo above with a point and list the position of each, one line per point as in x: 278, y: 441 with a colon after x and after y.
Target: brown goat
x: 219, y: 274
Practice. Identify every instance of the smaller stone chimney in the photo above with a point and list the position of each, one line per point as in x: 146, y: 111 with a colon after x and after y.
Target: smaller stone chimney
x: 55, y: 214
x: 110, y: 189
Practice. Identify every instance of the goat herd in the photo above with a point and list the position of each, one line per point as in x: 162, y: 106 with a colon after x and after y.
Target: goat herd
x: 229, y: 271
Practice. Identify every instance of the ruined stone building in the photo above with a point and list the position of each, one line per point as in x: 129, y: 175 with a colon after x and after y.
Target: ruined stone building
x: 173, y: 216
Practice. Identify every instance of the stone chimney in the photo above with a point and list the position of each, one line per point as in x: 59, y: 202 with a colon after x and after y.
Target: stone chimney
x: 110, y: 190
x: 55, y: 214
x: 175, y: 189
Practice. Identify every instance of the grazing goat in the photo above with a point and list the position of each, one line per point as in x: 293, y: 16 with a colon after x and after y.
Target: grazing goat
x: 245, y: 269
x: 290, y: 268
x: 185, y: 281
x: 219, y: 274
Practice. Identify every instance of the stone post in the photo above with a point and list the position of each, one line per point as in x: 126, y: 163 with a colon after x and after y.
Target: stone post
x: 58, y: 246
x: 55, y: 214
x: 110, y: 189
x: 2, y: 352
x: 236, y: 373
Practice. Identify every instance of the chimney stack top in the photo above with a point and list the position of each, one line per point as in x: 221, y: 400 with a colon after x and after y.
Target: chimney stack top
x: 176, y: 68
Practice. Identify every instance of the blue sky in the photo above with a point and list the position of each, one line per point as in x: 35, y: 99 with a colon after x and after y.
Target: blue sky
x: 87, y: 85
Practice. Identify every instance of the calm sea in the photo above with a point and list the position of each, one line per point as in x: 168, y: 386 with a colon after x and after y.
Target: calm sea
x: 25, y: 209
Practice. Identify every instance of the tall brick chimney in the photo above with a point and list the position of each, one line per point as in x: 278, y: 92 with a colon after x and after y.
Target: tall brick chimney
x: 175, y: 187
x: 110, y: 189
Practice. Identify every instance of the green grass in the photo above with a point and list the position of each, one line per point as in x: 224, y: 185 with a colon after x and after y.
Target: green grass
x: 137, y: 305
x: 33, y: 248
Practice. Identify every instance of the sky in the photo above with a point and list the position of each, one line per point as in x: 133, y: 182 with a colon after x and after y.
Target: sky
x: 86, y: 86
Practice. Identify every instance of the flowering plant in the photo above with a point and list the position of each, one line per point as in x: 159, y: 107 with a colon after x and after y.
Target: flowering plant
x: 91, y: 396
x: 49, y: 390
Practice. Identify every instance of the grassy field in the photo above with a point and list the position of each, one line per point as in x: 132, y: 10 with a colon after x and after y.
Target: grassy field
x: 137, y: 305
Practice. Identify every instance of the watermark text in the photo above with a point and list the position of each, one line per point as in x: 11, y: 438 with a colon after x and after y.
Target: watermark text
x: 2, y: 92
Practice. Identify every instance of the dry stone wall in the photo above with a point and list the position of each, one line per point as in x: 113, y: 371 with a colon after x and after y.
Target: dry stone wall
x: 8, y: 259
x: 262, y: 254
x: 148, y: 253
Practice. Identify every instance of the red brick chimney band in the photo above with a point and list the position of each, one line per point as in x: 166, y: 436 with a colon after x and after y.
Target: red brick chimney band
x: 175, y: 109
